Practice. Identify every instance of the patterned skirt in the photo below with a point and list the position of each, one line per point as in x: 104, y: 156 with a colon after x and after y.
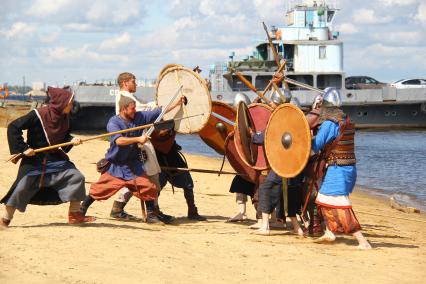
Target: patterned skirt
x: 337, y: 212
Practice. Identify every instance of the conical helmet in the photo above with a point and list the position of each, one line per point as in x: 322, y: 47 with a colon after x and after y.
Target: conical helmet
x: 295, y: 101
x: 331, y: 98
x: 241, y: 97
x: 277, y: 99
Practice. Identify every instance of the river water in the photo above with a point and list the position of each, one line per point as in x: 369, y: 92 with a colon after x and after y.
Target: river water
x: 391, y: 162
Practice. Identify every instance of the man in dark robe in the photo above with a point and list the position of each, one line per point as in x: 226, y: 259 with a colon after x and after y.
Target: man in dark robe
x: 46, y: 177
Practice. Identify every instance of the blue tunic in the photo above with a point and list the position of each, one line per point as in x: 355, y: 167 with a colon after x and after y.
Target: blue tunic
x: 125, y: 162
x: 339, y: 180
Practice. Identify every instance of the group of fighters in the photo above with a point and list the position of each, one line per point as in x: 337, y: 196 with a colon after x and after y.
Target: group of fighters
x: 320, y: 193
x: 132, y: 167
x: 133, y: 164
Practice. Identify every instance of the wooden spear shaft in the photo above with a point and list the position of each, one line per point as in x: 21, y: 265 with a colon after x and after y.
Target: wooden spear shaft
x: 250, y: 85
x: 206, y: 171
x: 271, y: 44
x: 17, y: 156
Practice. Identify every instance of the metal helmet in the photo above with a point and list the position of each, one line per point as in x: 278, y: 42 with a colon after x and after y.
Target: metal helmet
x: 277, y: 99
x: 331, y: 98
x: 295, y: 101
x: 241, y: 97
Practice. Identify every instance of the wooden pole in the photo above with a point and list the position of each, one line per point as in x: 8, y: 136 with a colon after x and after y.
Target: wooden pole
x: 15, y: 158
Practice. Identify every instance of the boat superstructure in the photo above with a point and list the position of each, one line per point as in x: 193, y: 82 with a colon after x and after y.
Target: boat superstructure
x: 314, y: 55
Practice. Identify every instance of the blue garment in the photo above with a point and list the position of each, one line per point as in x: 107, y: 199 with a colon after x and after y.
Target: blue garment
x: 125, y: 161
x: 51, y: 167
x: 338, y: 180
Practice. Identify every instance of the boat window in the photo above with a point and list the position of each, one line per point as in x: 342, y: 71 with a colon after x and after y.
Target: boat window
x: 237, y: 85
x: 329, y: 80
x: 330, y: 16
x: 262, y: 81
x: 322, y: 52
x: 307, y: 79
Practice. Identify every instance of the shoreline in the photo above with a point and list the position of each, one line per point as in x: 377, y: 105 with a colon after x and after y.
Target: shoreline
x: 40, y: 247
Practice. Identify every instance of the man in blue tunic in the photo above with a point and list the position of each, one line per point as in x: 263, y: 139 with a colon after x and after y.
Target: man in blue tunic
x: 127, y: 166
x: 335, y: 138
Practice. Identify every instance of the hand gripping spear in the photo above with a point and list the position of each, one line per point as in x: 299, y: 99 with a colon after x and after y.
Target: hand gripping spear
x: 157, y: 126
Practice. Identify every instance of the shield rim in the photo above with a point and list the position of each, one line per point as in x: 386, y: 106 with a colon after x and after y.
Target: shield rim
x: 267, y: 141
x: 231, y: 128
x: 267, y: 167
x: 202, y: 82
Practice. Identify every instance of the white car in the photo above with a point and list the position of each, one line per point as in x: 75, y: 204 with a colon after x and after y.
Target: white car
x: 409, y: 83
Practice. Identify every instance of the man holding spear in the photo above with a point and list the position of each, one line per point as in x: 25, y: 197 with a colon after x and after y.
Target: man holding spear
x: 45, y: 178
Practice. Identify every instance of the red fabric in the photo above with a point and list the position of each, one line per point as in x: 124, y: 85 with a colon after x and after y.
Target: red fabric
x: 340, y: 220
x: 55, y: 123
x: 108, y: 185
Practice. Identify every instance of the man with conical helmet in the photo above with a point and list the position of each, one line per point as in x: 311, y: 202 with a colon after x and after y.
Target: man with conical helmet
x: 335, y: 138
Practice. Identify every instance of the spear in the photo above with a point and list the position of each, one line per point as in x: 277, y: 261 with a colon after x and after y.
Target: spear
x: 274, y: 51
x: 206, y: 171
x: 157, y: 125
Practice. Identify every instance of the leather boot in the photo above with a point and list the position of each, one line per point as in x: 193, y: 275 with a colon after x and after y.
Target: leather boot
x: 4, y: 223
x: 151, y: 215
x: 166, y: 219
x: 118, y: 213
x: 78, y: 218
x: 193, y: 214
x: 192, y: 209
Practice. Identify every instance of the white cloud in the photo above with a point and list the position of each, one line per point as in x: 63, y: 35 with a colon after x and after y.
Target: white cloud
x: 49, y: 37
x: 400, y: 38
x: 272, y: 11
x: 18, y: 30
x: 43, y: 8
x: 116, y: 42
x: 421, y: 14
x: 83, y: 54
x: 368, y: 16
x: 347, y: 28
x: 398, y: 2
x: 78, y: 27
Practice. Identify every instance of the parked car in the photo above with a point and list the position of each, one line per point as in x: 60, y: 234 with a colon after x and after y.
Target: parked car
x: 409, y: 83
x: 363, y: 82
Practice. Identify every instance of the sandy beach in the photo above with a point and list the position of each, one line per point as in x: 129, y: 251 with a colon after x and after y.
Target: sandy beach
x: 40, y: 247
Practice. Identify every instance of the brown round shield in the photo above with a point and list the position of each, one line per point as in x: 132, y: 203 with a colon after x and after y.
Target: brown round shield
x: 234, y: 159
x: 256, y: 121
x: 195, y: 114
x: 216, y: 130
x: 287, y: 141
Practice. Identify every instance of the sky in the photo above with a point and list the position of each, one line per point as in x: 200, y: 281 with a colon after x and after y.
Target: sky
x: 63, y: 41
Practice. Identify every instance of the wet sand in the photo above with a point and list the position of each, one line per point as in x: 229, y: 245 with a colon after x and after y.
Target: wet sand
x: 40, y: 247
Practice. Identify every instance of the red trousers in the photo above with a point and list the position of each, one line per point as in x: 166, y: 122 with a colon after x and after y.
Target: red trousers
x: 108, y: 185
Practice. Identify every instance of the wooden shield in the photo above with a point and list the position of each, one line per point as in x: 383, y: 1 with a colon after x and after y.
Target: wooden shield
x: 171, y: 65
x: 214, y: 133
x: 247, y: 172
x: 194, y: 89
x: 287, y: 141
x: 256, y: 121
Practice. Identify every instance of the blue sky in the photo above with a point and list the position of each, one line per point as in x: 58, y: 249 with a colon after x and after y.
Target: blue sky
x: 69, y: 40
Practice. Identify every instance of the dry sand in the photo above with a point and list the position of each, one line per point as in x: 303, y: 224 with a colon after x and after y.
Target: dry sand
x: 40, y: 247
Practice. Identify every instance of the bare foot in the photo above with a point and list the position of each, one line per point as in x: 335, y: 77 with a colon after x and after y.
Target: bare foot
x: 328, y: 237
x: 262, y: 232
x: 257, y: 225
x: 364, y: 246
x: 238, y: 218
x: 298, y: 232
x: 277, y: 225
